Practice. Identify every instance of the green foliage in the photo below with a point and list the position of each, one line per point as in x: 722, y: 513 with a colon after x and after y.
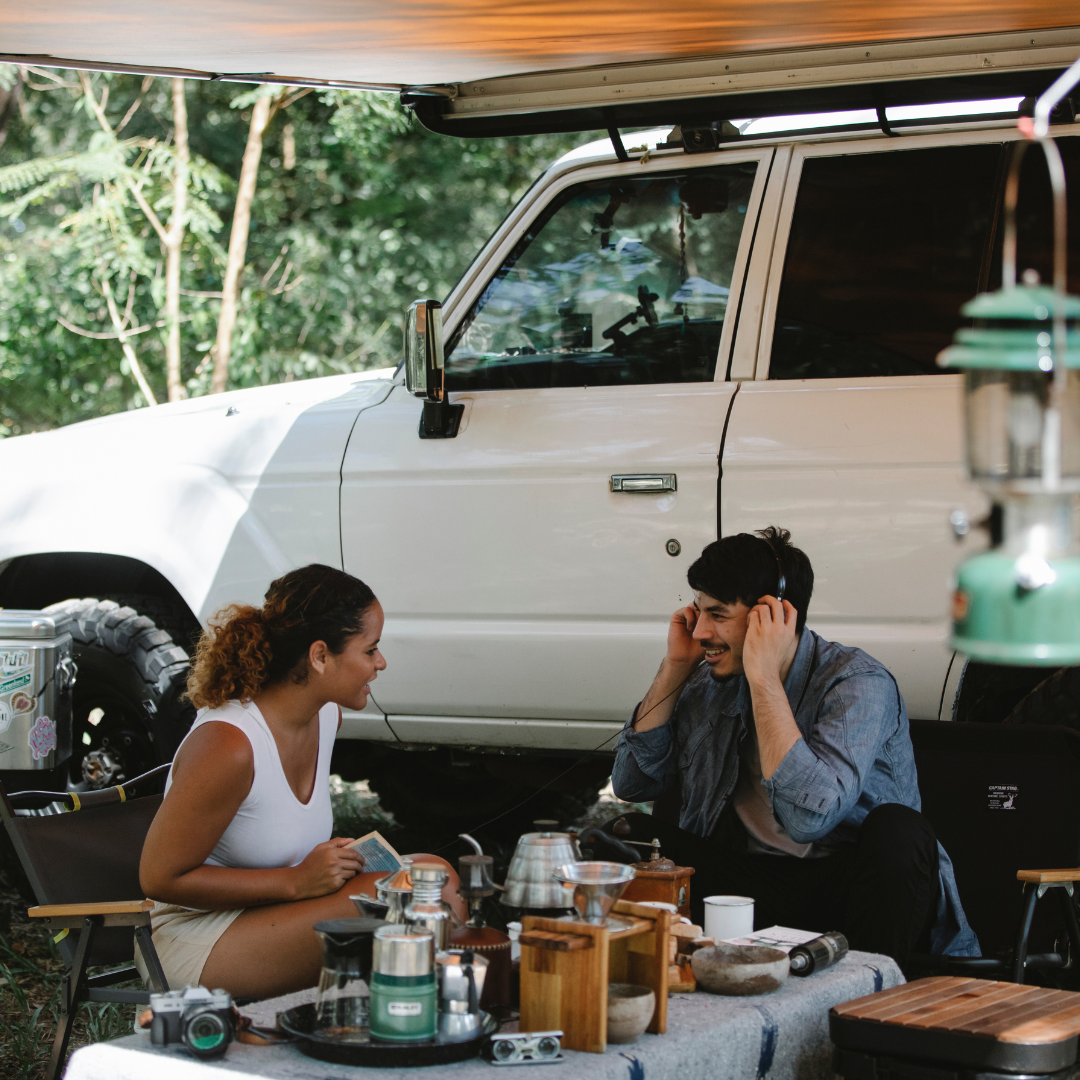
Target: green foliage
x: 371, y: 212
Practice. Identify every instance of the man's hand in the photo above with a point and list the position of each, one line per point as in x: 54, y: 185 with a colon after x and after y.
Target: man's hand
x: 770, y: 637
x: 327, y: 867
x: 683, y: 655
x: 682, y: 649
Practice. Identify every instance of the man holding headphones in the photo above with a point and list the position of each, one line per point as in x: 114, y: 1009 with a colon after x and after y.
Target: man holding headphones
x: 788, y: 763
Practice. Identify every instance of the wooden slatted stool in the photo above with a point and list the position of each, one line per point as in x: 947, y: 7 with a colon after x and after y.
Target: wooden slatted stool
x: 933, y: 1027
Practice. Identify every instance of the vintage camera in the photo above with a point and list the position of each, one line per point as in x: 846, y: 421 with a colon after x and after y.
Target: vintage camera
x: 526, y: 1048
x: 201, y: 1019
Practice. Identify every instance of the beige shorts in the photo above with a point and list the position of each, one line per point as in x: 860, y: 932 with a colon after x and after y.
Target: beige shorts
x: 183, y: 939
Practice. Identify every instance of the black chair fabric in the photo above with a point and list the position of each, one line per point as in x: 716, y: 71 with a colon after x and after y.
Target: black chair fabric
x: 1002, y: 798
x: 89, y: 856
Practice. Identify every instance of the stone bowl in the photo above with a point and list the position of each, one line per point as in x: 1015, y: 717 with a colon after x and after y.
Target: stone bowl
x: 629, y: 1011
x: 739, y: 969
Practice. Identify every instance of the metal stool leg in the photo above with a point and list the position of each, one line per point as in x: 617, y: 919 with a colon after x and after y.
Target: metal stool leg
x: 1031, y: 894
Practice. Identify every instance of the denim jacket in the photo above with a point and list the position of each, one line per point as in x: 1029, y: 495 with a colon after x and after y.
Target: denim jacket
x: 855, y: 754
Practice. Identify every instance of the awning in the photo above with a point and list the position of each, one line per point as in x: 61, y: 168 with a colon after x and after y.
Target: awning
x: 500, y: 57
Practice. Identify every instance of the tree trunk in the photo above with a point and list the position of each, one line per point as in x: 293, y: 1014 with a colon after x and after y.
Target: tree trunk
x: 173, y: 242
x: 238, y: 238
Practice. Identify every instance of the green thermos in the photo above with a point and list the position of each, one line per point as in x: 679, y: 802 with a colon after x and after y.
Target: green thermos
x: 404, y: 1001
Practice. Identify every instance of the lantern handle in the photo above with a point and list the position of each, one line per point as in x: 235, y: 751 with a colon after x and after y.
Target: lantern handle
x: 1037, y: 130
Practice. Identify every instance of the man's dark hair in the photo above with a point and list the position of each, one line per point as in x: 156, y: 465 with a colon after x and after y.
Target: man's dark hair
x: 747, y: 566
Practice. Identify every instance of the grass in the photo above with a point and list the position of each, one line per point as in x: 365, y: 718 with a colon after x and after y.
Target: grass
x: 30, y: 970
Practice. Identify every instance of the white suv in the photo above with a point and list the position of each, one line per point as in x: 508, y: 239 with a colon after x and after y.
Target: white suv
x: 650, y: 353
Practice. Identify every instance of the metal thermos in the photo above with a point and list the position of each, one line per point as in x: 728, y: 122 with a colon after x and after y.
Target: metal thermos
x: 404, y: 1006
x: 820, y: 953
x: 426, y: 911
x: 36, y: 677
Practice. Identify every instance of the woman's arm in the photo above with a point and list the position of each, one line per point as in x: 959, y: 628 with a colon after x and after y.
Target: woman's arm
x: 212, y: 776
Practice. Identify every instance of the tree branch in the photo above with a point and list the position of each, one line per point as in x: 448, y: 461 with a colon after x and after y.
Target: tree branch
x: 174, y: 240
x: 99, y: 110
x: 122, y: 336
x: 238, y: 239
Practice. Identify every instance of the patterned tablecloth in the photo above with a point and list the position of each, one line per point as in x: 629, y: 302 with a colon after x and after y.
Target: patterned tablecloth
x: 779, y: 1036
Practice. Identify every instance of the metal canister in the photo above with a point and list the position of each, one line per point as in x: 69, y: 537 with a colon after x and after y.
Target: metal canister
x: 36, y: 677
x: 404, y: 1005
x: 427, y: 911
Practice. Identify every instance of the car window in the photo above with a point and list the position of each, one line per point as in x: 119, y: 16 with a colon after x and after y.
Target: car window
x: 884, y: 249
x: 617, y: 282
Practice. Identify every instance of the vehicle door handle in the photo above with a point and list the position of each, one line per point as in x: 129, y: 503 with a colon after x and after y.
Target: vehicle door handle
x: 643, y: 483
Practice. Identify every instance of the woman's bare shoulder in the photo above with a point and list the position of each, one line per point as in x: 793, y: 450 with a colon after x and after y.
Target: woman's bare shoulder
x: 217, y: 747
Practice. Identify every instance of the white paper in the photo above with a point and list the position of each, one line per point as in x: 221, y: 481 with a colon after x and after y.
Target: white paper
x: 776, y: 937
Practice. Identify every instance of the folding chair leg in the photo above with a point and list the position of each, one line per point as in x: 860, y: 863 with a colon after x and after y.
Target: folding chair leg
x: 72, y: 991
x: 1031, y: 898
x: 150, y: 959
x: 1072, y: 924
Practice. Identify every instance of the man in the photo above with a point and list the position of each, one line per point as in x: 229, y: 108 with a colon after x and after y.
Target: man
x: 791, y: 761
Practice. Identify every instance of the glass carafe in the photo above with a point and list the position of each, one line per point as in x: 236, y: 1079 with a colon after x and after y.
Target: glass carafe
x: 341, y: 1007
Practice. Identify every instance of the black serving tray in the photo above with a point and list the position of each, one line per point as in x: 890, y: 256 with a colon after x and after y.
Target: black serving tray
x: 300, y: 1023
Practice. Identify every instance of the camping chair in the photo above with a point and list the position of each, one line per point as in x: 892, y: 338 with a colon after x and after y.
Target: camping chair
x: 1002, y: 799
x: 83, y: 868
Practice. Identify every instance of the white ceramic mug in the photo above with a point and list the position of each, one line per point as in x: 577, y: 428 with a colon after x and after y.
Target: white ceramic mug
x: 728, y: 916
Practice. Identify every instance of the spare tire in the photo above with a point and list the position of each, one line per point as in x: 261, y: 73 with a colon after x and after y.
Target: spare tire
x: 128, y: 711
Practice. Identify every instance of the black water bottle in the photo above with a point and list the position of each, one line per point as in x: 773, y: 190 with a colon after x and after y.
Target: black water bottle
x: 821, y: 952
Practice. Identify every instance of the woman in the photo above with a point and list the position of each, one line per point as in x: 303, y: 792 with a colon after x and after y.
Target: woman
x: 239, y: 858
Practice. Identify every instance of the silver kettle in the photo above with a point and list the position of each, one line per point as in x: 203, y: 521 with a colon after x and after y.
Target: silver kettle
x: 529, y: 881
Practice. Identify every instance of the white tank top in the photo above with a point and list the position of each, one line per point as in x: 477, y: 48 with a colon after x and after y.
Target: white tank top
x: 272, y: 828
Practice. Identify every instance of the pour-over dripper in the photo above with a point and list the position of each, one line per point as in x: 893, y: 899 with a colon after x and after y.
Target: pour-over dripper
x: 596, y: 885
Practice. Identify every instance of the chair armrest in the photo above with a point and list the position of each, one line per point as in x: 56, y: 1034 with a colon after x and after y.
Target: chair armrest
x: 1047, y: 877
x: 114, y: 907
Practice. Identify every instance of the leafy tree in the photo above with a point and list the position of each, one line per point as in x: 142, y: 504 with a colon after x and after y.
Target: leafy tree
x: 357, y: 210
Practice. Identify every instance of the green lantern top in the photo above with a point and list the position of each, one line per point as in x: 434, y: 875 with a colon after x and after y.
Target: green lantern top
x: 1011, y: 347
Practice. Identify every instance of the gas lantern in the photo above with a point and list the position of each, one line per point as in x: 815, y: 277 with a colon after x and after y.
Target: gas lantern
x: 1019, y: 602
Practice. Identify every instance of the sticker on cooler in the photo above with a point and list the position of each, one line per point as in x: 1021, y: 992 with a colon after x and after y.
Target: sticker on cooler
x: 13, y: 660
x: 42, y: 738
x: 22, y: 702
x: 16, y: 682
x: 1002, y: 797
x: 7, y: 714
x: 404, y: 1008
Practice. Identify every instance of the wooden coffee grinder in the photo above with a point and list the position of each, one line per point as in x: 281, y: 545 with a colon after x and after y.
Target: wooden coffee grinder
x: 657, y: 878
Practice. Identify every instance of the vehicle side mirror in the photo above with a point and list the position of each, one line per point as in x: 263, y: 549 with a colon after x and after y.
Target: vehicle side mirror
x: 425, y: 370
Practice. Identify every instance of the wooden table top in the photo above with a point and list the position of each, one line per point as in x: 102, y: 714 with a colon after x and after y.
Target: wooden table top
x: 1002, y: 1011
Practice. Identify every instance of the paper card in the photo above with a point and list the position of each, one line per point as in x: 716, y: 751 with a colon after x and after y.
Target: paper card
x: 378, y: 854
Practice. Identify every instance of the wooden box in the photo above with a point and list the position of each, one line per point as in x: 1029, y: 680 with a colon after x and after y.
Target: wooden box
x: 566, y: 967
x: 667, y: 886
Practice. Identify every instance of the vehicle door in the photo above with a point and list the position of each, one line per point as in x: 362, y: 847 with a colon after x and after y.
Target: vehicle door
x: 527, y: 584
x: 846, y: 431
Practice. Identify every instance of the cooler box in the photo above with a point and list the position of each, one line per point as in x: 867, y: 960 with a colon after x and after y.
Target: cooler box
x: 36, y: 676
x: 957, y: 1028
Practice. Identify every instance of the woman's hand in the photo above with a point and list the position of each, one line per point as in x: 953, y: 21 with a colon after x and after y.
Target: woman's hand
x: 327, y: 867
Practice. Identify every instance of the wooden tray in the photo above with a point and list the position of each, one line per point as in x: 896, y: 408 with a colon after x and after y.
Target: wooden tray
x: 300, y: 1023
x: 961, y: 1021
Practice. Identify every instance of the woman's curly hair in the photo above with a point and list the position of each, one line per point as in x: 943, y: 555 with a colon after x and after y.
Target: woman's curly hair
x: 246, y: 648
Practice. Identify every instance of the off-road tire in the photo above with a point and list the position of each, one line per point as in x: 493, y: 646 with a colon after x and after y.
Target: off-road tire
x: 135, y: 673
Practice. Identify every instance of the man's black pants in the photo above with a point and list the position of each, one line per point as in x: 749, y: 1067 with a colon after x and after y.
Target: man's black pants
x: 880, y: 892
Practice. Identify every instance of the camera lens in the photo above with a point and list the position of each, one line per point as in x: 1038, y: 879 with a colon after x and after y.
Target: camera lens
x: 547, y: 1047
x: 503, y: 1050
x: 207, y: 1035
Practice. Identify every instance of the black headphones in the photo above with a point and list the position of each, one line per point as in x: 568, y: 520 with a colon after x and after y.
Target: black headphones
x: 781, y: 581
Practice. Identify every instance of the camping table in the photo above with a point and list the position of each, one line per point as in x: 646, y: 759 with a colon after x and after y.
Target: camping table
x: 783, y: 1035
